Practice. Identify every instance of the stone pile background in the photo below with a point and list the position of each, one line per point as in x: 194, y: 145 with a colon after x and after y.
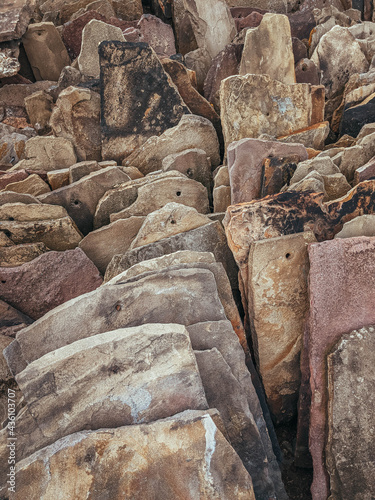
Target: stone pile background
x: 187, y: 248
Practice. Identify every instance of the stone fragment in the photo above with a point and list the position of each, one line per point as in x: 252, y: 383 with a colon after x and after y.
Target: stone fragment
x: 129, y: 118
x: 157, y: 34
x: 355, y: 117
x: 81, y: 197
x: 9, y: 65
x: 58, y: 178
x: 324, y: 166
x: 245, y: 165
x: 191, y: 132
x: 11, y: 321
x: 82, y: 169
x: 252, y: 105
x: 39, y: 108
x: 192, y: 436
x: 116, y: 392
x: 93, y: 34
x: 335, y: 267
x: 207, y: 238
x: 353, y: 158
x: 33, y: 185
x: 225, y: 64
x: 45, y: 51
x: 14, y: 18
x: 46, y: 154
x: 276, y: 173
x: 194, y: 163
x: 299, y: 49
x: 268, y: 50
x: 307, y: 72
x: 338, y: 55
x: 224, y: 393
x: 8, y: 178
x: 49, y: 280
x: 335, y: 186
x: 312, y: 137
x: 132, y: 172
x: 221, y: 198
x: 12, y: 148
x: 129, y: 10
x: 188, y: 296
x: 71, y: 33
x: 101, y: 245
x: 212, y: 33
x: 12, y: 197
x: 351, y: 407
x: 155, y: 195
x: 278, y: 303
x: 313, y: 182
x: 173, y: 218
x: 363, y: 225
x: 17, y: 255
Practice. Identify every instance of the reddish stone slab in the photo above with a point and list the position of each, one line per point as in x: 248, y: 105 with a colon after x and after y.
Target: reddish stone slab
x: 10, y: 177
x: 72, y: 31
x: 48, y: 281
x: 342, y: 298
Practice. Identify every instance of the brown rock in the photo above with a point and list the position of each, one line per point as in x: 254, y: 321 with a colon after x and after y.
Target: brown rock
x: 363, y: 225
x: 208, y: 474
x: 58, y: 178
x: 82, y: 169
x: 11, y: 177
x: 45, y: 51
x: 193, y: 163
x: 71, y: 33
x: 143, y: 114
x: 157, y: 34
x: 366, y: 172
x: 33, y: 185
x: 221, y: 198
x: 312, y: 137
x: 39, y: 108
x: 76, y: 117
x: 12, y: 149
x: 128, y: 10
x: 9, y: 65
x: 49, y: 280
x: 307, y: 72
x: 12, y: 197
x: 276, y: 173
x: 245, y: 164
x: 17, y: 255
x: 81, y: 197
x: 14, y: 18
x: 101, y: 245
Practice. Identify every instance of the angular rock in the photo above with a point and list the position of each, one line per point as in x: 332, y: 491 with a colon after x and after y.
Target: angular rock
x: 82, y: 169
x: 76, y: 117
x: 268, y: 50
x: 191, y: 132
x: 214, y: 470
x: 115, y: 392
x: 312, y: 137
x: 350, y: 409
x: 12, y: 149
x: 49, y: 280
x: 245, y: 164
x: 45, y: 51
x: 157, y: 34
x: 11, y: 177
x: 33, y: 185
x: 355, y: 117
x: 307, y: 72
x: 39, y: 108
x: 129, y: 10
x: 221, y: 198
x: 81, y: 197
x: 212, y: 33
x: 338, y: 55
x: 9, y: 65
x: 58, y: 178
x: 46, y: 154
x: 14, y: 18
x: 102, y: 245
x: 323, y: 165
x: 278, y: 303
x: 336, y: 267
x: 12, y: 197
x: 93, y: 34
x: 252, y: 105
x: 207, y: 238
x: 11, y: 320
x: 336, y: 186
x: 153, y: 196
x: 16, y: 255
x: 188, y: 296
x: 71, y: 33
x: 173, y: 218
x: 129, y: 118
x: 363, y: 225
x: 194, y: 163
x: 313, y: 182
x: 276, y: 173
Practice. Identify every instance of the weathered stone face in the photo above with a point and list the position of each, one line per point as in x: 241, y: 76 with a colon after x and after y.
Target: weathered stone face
x: 157, y: 34
x: 150, y: 105
x: 213, y: 471
x: 33, y: 185
x: 278, y: 302
x: 194, y: 163
x: 14, y: 20
x: 45, y: 51
x: 363, y: 225
x: 268, y: 50
x: 351, y: 407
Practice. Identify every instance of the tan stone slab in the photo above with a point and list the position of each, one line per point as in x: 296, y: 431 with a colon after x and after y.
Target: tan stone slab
x: 39, y: 108
x: 83, y: 168
x: 31, y: 212
x: 17, y: 255
x: 12, y: 197
x: 33, y: 185
x: 58, y: 178
x: 312, y: 137
x: 363, y: 225
x: 221, y: 198
x: 194, y: 163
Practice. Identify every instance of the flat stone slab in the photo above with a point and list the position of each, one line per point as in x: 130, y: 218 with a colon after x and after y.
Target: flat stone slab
x: 351, y: 406
x: 47, y: 281
x: 188, y: 296
x: 342, y: 294
x: 14, y: 18
x: 196, y: 461
x: 121, y: 377
x: 16, y: 255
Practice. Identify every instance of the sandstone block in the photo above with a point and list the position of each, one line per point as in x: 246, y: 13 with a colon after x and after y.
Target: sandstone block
x: 33, y: 184
x: 58, y: 178
x: 157, y: 34
x: 16, y: 255
x: 313, y: 137
x: 11, y: 177
x: 194, y: 163
x: 363, y: 225
x: 82, y: 169
x: 14, y: 20
x: 221, y: 198
x: 39, y: 108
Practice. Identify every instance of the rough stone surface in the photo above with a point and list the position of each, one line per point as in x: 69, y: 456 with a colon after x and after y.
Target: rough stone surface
x: 101, y: 245
x: 82, y: 169
x: 8, y: 178
x: 268, y: 50
x: 194, y: 163
x: 278, y: 303
x: 16, y: 255
x: 157, y: 34
x: 12, y: 148
x: 11, y: 321
x: 350, y: 460
x: 245, y: 165
x: 363, y: 225
x: 323, y: 165
x: 39, y: 108
x: 252, y: 105
x: 307, y: 72
x: 76, y: 117
x: 188, y: 296
x: 93, y: 34
x: 341, y: 295
x: 12, y: 197
x: 129, y: 118
x: 45, y: 51
x: 312, y: 137
x: 49, y: 280
x: 213, y: 471
x: 191, y: 132
x: 14, y: 18
x: 9, y: 65
x: 221, y: 198
x: 80, y: 198
x: 33, y: 185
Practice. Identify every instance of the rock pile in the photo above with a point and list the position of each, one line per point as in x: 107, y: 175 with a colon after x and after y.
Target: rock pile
x: 187, y: 249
